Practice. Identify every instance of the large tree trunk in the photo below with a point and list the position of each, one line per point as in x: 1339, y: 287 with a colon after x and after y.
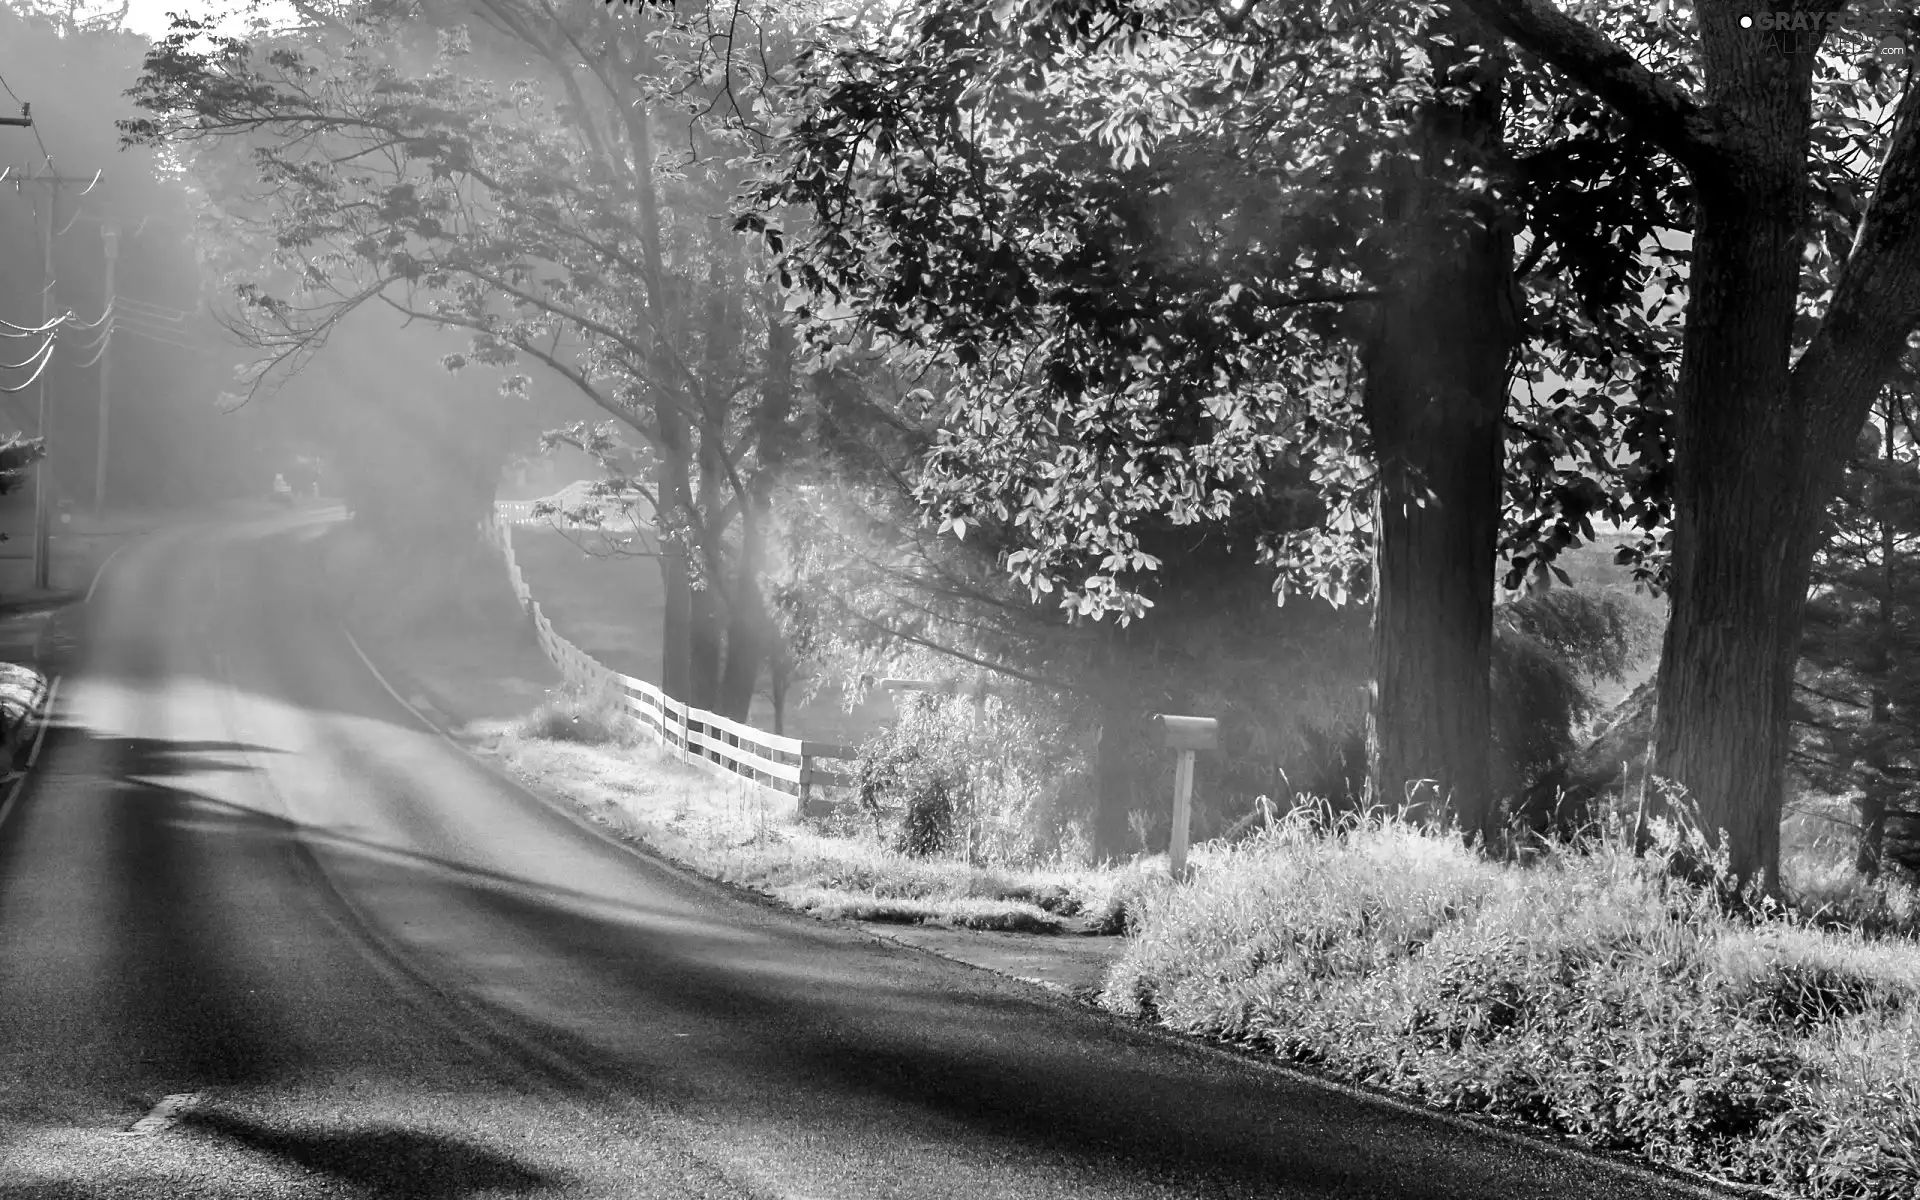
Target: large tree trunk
x: 682, y: 675
x: 704, y: 646
x: 752, y: 638
x: 1760, y: 445
x: 673, y: 487
x: 779, y: 678
x: 746, y: 653
x: 1436, y: 387
x: 676, y: 625
x: 749, y: 629
x: 1743, y: 539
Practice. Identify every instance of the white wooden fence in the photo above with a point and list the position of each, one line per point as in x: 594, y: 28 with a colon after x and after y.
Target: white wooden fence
x: 792, y: 766
x: 520, y: 512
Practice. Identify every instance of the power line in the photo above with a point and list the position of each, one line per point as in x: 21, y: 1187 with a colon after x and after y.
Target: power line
x: 178, y: 341
x: 26, y: 118
x: 158, y: 312
x: 9, y: 329
x: 53, y: 181
x: 45, y: 356
x: 105, y: 341
x: 30, y: 359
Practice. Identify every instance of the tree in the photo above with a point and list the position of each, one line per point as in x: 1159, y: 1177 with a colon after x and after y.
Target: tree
x: 16, y: 455
x: 1858, y: 685
x: 1762, y: 434
x: 868, y: 582
x: 1157, y: 253
x: 543, y: 218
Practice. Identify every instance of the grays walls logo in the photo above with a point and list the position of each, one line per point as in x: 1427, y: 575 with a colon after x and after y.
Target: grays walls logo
x: 1791, y: 32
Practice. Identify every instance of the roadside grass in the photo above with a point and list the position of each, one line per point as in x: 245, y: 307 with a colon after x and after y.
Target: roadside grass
x: 1591, y: 993
x: 744, y: 835
x: 1820, y: 880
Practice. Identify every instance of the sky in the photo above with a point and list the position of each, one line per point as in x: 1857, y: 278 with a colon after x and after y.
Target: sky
x: 149, y: 17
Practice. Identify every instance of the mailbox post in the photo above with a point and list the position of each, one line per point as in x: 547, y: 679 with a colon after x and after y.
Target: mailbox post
x: 1185, y: 735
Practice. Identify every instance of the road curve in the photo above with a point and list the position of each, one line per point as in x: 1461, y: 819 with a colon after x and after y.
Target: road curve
x: 242, y: 872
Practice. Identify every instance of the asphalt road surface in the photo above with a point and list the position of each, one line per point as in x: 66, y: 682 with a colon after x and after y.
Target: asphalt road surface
x: 242, y: 873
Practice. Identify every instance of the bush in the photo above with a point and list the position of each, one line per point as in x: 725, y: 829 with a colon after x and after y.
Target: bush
x: 947, y: 780
x: 1550, y: 653
x: 1130, y: 892
x: 1595, y: 993
x: 589, y: 718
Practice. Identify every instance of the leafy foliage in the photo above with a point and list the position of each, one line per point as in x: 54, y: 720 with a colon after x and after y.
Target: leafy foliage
x: 1137, y: 247
x: 522, y: 180
x: 985, y: 786
x: 16, y: 455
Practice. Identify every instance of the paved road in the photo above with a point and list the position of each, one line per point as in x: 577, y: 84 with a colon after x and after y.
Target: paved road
x: 242, y: 872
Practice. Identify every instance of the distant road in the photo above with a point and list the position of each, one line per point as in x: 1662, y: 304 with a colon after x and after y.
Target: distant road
x: 242, y: 873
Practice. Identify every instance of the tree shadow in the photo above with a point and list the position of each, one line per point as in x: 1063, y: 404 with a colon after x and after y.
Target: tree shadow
x: 386, y: 1161
x: 785, y: 1022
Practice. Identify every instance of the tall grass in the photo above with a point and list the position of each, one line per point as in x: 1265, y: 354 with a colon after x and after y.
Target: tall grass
x: 1593, y: 993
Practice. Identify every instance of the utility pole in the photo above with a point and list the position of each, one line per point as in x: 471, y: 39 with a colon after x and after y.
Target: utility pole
x: 43, y: 476
x: 24, y: 120
x: 43, y: 473
x: 110, y: 236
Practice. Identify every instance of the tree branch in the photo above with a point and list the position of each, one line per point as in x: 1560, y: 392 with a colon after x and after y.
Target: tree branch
x: 1671, y: 118
x: 1876, y: 298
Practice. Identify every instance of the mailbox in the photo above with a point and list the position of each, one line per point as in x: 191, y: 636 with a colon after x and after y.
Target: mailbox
x: 1188, y: 733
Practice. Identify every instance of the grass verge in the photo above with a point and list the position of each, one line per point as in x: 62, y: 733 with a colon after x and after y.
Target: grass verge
x: 743, y: 835
x: 1591, y: 994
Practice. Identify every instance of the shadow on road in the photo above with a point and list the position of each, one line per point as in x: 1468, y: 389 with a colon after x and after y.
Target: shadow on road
x: 648, y: 985
x: 660, y: 991
x: 387, y: 1161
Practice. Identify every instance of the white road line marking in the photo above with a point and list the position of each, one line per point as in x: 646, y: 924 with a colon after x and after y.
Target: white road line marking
x: 163, y: 1114
x: 382, y: 681
x: 33, y: 755
x: 101, y: 571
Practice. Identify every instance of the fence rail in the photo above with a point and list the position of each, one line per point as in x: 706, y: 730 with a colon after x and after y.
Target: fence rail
x: 520, y: 512
x: 514, y: 512
x: 792, y: 766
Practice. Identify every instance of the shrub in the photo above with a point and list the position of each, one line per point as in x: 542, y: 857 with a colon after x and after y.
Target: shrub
x: 590, y: 718
x: 1550, y: 652
x: 945, y: 779
x: 914, y: 776
x: 926, y: 825
x: 1600, y: 633
x: 1596, y: 993
x: 1130, y: 891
